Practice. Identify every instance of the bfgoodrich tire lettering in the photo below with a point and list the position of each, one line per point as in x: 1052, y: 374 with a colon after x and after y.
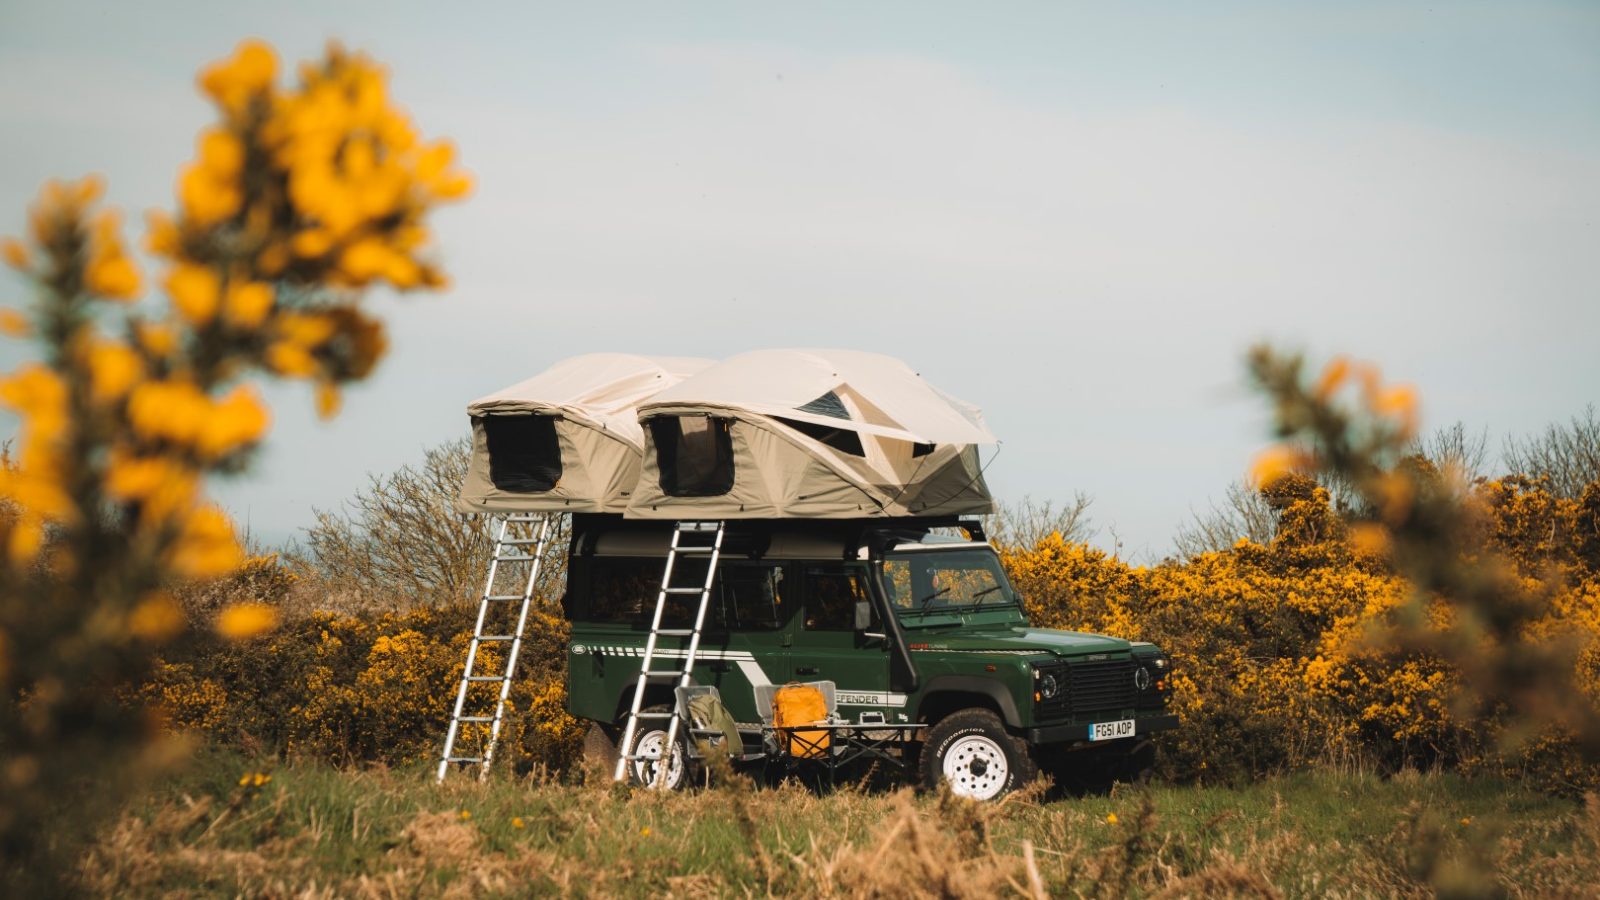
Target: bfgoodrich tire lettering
x: 972, y: 750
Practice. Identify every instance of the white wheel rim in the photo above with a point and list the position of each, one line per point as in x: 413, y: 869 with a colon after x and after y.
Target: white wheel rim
x: 976, y: 767
x: 644, y: 770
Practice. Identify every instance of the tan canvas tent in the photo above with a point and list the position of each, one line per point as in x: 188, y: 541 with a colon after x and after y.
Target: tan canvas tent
x: 567, y: 439
x: 809, y: 434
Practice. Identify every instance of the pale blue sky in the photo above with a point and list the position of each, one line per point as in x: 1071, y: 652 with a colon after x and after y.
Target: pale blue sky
x: 1077, y: 216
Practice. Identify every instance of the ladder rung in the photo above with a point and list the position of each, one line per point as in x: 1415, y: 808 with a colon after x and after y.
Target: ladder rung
x: 502, y: 597
x: 475, y: 719
x: 477, y: 678
x: 699, y: 526
x: 466, y: 759
x: 656, y: 715
x: 684, y: 590
x: 495, y: 638
x: 659, y: 673
x: 518, y: 542
x: 694, y: 550
x: 516, y: 559
x: 675, y: 632
x: 524, y: 517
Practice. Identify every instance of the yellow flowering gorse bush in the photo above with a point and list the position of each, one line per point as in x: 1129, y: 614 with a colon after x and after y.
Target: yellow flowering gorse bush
x: 299, y: 199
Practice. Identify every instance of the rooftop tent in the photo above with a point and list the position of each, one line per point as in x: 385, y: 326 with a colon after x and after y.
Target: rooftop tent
x: 809, y: 434
x: 567, y: 439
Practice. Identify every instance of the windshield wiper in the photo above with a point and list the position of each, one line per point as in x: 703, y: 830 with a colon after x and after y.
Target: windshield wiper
x: 923, y: 608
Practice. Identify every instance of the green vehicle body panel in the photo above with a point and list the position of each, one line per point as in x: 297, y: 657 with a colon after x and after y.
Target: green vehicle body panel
x: 987, y: 657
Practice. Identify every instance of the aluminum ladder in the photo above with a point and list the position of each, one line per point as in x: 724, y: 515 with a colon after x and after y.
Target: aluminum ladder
x: 688, y: 539
x: 510, y: 546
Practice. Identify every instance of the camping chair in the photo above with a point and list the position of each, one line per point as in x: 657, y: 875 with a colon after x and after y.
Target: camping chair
x: 804, y: 744
x: 708, y: 722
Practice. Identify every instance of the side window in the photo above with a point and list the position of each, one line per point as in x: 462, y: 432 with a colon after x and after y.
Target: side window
x: 897, y: 582
x: 743, y: 597
x: 621, y: 590
x: 748, y: 597
x: 831, y: 597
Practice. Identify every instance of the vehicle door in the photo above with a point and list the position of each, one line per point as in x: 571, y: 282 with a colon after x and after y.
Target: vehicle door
x: 746, y: 629
x: 826, y: 645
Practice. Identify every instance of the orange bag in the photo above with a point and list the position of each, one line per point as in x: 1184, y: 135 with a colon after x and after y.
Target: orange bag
x: 801, y: 704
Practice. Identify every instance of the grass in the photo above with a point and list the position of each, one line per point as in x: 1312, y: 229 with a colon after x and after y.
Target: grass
x: 315, y: 831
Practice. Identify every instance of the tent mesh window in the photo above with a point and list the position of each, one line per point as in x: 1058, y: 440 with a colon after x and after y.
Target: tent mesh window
x: 524, y: 453
x: 694, y: 454
x: 843, y: 440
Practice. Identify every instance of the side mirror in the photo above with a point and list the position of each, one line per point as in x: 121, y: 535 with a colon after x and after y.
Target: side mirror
x: 863, y: 615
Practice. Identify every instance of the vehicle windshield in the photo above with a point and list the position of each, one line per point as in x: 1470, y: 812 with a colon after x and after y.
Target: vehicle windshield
x: 925, y: 582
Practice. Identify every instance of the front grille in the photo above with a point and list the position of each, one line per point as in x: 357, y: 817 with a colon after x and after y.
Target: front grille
x: 1102, y: 685
x: 1090, y: 687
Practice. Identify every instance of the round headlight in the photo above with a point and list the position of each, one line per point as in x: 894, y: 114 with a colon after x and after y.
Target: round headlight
x: 1049, y: 686
x: 1141, y: 678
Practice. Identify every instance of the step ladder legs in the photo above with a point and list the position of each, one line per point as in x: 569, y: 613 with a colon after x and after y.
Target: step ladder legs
x: 703, y: 539
x: 506, y: 549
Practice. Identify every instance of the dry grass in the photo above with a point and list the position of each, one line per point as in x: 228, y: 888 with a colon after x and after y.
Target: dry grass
x: 315, y: 831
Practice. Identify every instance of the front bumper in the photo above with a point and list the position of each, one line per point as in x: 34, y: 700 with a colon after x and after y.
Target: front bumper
x: 1069, y: 733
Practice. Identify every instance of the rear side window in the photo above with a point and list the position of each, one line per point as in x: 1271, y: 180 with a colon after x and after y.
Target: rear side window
x: 831, y: 597
x: 694, y: 454
x: 744, y: 596
x: 524, y: 453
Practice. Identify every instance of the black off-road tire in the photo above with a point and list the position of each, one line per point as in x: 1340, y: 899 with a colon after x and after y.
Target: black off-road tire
x: 968, y: 744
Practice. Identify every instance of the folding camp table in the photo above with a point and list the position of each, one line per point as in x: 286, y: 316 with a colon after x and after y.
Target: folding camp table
x: 835, y: 745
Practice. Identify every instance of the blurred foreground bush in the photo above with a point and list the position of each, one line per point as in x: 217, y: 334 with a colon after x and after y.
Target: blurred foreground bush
x: 300, y: 199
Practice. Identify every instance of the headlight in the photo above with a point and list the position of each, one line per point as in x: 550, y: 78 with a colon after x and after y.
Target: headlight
x: 1049, y: 686
x: 1141, y: 678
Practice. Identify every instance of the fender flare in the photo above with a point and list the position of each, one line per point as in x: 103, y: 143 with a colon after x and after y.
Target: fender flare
x: 971, y: 684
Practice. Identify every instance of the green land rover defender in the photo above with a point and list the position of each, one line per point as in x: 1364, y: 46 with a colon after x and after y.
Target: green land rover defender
x: 911, y: 619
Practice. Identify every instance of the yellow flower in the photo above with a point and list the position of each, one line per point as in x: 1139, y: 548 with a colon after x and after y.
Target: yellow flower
x: 1466, y: 821
x: 195, y: 291
x: 1369, y: 539
x: 328, y: 399
x: 110, y: 273
x: 1333, y: 375
x: 244, y: 779
x: 221, y: 153
x: 243, y: 621
x: 238, y: 420
x: 114, y: 368
x: 161, y: 234
x: 14, y: 323
x: 645, y: 831
x: 247, y: 304
x: 1273, y: 463
x: 516, y: 822
x: 234, y: 81
x: 1398, y: 402
x: 174, y: 410
x: 260, y: 779
x: 155, y: 618
x: 206, y: 198
x: 205, y: 548
x: 291, y: 359
x: 160, y: 341
x: 466, y: 814
x: 1111, y: 818
x: 15, y: 253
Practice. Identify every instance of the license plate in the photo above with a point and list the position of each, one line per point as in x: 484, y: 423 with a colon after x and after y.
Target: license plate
x: 1110, y: 731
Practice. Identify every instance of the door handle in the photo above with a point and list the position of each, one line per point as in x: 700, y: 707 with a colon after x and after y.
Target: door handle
x: 805, y: 670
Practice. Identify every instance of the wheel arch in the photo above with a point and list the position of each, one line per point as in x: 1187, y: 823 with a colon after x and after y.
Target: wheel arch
x: 946, y: 694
